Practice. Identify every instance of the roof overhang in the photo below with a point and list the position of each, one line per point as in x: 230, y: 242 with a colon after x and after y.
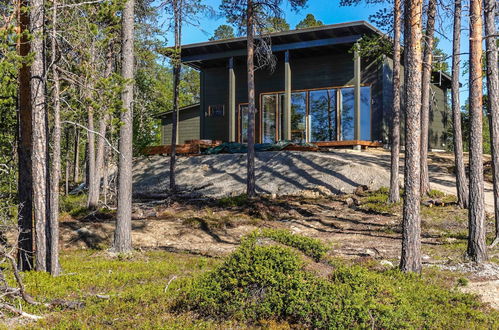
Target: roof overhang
x: 204, y: 54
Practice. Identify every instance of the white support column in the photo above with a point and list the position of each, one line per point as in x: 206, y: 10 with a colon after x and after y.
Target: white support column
x: 232, y: 101
x: 287, y: 97
x: 357, y: 100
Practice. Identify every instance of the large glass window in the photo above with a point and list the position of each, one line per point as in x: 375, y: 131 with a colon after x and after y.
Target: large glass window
x: 317, y: 115
x: 365, y: 113
x: 347, y: 114
x: 269, y: 118
x: 322, y: 114
x: 243, y: 123
x: 299, y: 116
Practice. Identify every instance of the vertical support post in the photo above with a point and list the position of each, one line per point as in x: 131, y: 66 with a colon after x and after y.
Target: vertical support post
x: 287, y: 97
x: 232, y: 101
x: 357, y: 101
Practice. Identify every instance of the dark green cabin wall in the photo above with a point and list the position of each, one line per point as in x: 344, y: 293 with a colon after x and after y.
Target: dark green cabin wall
x: 439, y: 111
x: 333, y: 70
x: 189, y: 126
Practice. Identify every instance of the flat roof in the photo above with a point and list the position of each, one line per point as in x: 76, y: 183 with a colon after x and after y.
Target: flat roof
x: 200, y: 54
x: 188, y: 107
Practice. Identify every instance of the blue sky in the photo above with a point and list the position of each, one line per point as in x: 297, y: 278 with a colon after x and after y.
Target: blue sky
x: 330, y: 12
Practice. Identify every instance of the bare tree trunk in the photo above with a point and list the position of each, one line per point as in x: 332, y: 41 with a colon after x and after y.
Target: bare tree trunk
x: 25, y: 182
x: 395, y: 147
x: 410, y: 260
x: 56, y: 155
x: 425, y: 95
x: 91, y: 140
x: 39, y: 155
x: 66, y: 165
x: 177, y: 8
x: 250, y: 180
x: 123, y: 233
x: 105, y: 175
x: 493, y: 100
x: 461, y: 184
x: 477, y: 250
x: 76, y: 161
x: 99, y: 155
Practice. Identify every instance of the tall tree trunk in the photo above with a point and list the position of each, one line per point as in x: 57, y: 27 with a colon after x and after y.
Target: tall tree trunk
x: 39, y: 155
x: 25, y: 183
x: 395, y: 147
x: 493, y: 100
x: 91, y: 140
x: 411, y: 222
x: 461, y: 184
x: 56, y: 154
x: 123, y: 233
x: 67, y: 165
x: 76, y: 160
x: 101, y: 140
x: 177, y: 4
x: 477, y: 250
x: 250, y: 180
x: 426, y: 95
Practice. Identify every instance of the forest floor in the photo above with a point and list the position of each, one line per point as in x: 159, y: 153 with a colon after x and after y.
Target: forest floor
x: 179, y: 237
x: 359, y: 227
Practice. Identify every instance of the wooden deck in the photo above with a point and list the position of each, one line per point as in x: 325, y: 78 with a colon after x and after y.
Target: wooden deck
x: 196, y: 147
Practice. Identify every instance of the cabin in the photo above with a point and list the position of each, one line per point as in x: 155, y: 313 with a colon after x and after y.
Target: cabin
x: 320, y: 90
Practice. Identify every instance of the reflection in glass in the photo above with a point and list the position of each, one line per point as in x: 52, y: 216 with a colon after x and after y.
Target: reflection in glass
x: 347, y: 114
x: 365, y: 113
x: 298, y: 116
x: 243, y: 123
x: 269, y: 120
x: 322, y: 113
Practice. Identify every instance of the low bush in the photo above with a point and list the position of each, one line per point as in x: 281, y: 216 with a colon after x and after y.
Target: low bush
x: 262, y: 281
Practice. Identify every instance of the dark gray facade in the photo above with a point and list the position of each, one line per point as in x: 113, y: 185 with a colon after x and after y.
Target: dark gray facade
x: 188, y: 125
x: 320, y: 62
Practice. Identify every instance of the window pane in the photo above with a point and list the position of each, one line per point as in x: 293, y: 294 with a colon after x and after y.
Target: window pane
x: 323, y: 115
x: 269, y: 119
x: 347, y: 114
x: 298, y: 116
x: 365, y: 113
x: 243, y: 123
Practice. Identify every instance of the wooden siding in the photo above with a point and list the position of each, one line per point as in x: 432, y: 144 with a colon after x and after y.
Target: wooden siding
x: 189, y: 126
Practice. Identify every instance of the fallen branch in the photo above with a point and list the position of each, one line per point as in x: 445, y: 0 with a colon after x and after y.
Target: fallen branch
x: 169, y: 282
x: 20, y: 312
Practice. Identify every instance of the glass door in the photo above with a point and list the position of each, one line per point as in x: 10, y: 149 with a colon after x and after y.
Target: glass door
x: 269, y: 118
x: 322, y: 115
x: 242, y: 119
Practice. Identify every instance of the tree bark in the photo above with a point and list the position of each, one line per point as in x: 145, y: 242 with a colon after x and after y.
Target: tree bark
x: 177, y: 8
x: 101, y: 141
x: 426, y: 95
x: 250, y: 181
x: 39, y: 155
x: 91, y: 141
x: 56, y: 154
x: 477, y: 250
x: 123, y: 233
x: 25, y: 182
x: 76, y: 160
x: 411, y: 235
x: 493, y: 99
x: 66, y: 160
x: 394, y: 195
x: 461, y: 184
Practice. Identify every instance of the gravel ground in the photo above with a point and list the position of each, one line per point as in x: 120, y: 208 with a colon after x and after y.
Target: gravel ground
x: 280, y: 173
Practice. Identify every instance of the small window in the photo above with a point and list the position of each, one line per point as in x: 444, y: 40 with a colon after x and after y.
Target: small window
x: 216, y: 110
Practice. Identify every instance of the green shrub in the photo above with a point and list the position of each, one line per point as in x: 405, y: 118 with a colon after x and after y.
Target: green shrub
x: 309, y: 246
x: 74, y: 204
x: 233, y: 201
x: 261, y: 281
